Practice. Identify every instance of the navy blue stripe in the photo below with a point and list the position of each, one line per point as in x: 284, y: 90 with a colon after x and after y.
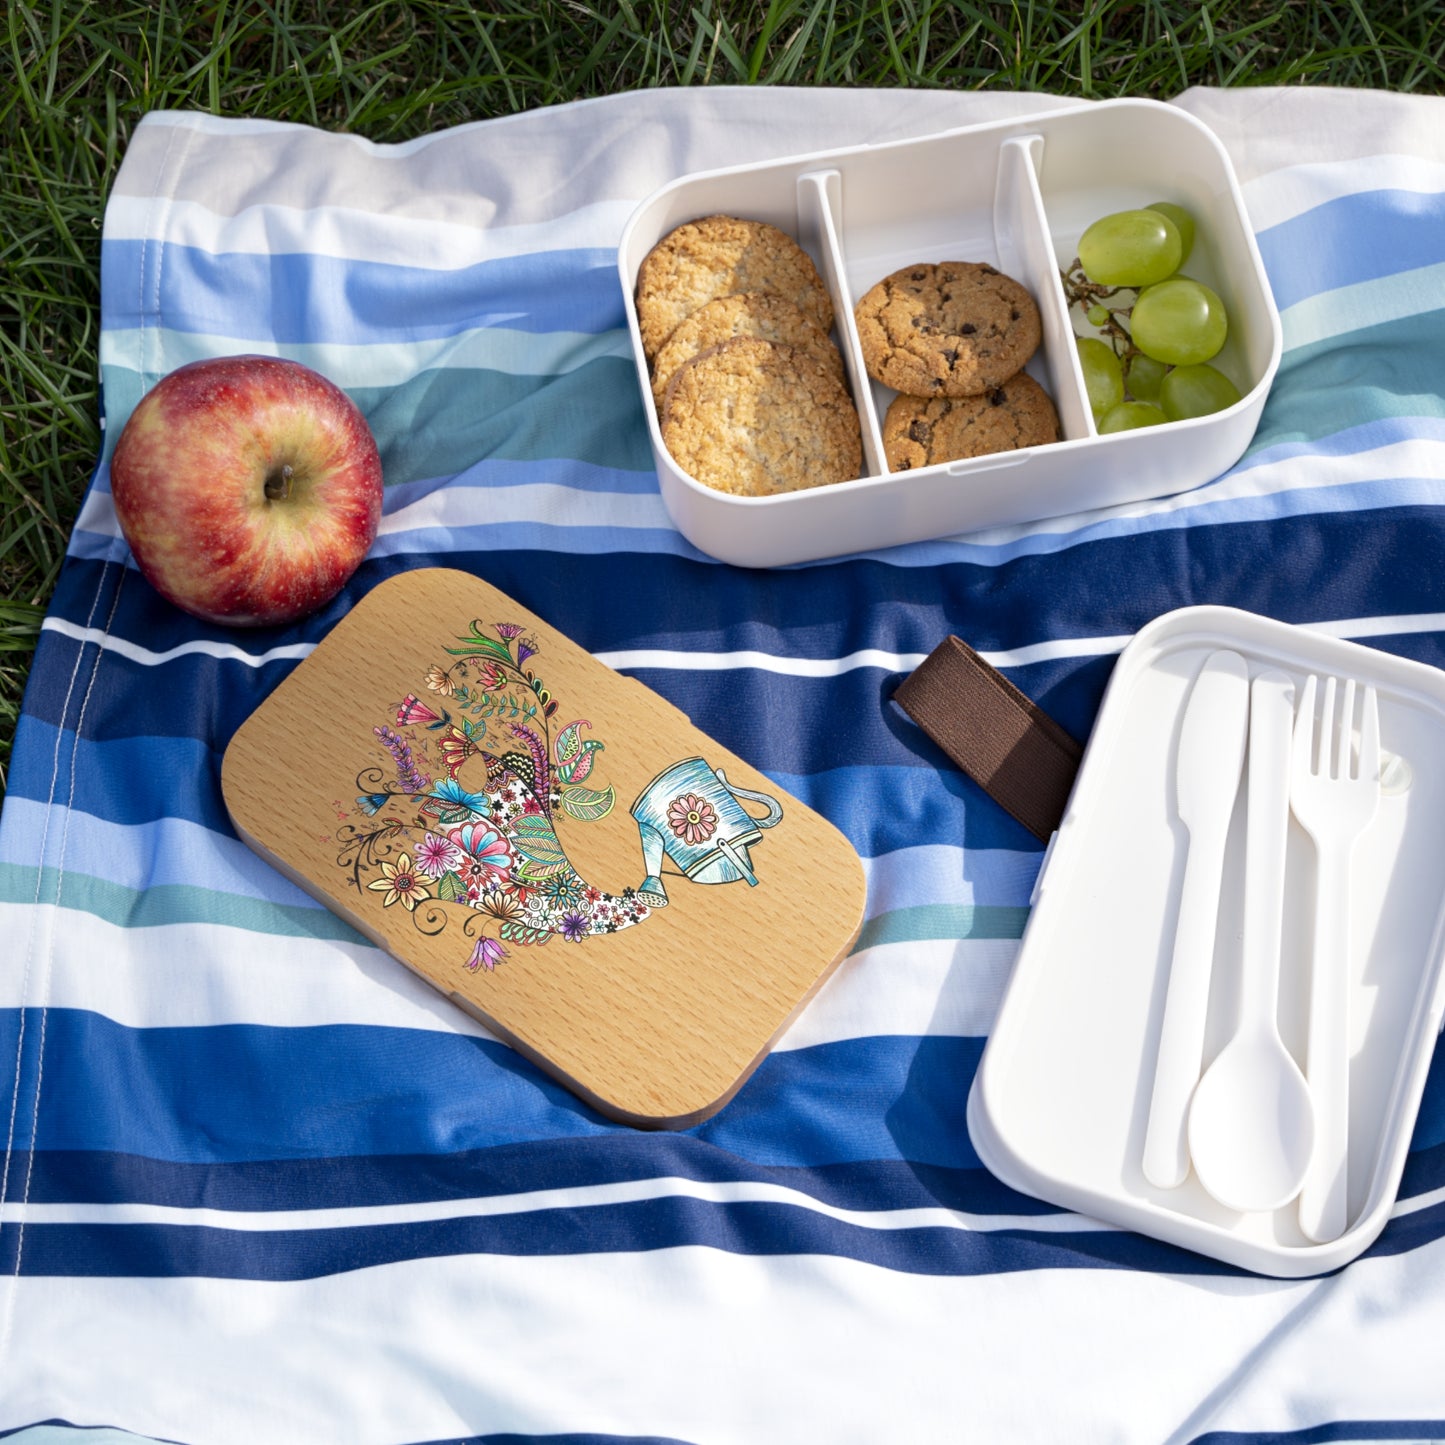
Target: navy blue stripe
x: 299, y: 297
x: 507, y: 1438
x: 754, y: 1228
x: 1410, y: 1231
x: 1353, y: 238
x: 1294, y: 568
x: 570, y: 1438
x: 758, y: 1230
x: 1425, y: 1164
x: 57, y: 1176
x: 1417, y: 1432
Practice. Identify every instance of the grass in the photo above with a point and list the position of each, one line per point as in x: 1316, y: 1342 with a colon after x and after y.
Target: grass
x: 76, y: 77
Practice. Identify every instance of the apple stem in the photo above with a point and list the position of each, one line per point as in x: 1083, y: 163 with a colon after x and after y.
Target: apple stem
x: 278, y: 484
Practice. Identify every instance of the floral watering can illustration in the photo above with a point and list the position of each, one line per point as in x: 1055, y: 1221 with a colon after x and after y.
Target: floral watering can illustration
x: 691, y: 814
x: 465, y: 811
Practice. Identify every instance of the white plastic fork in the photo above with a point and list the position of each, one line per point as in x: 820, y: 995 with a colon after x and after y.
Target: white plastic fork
x: 1334, y: 796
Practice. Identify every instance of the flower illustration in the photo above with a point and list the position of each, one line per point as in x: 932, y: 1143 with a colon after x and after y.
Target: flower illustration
x: 455, y: 747
x: 436, y: 855
x: 574, y: 927
x: 406, y: 773
x: 526, y: 648
x: 502, y: 905
x: 692, y: 818
x: 487, y: 954
x: 490, y: 675
x: 414, y: 710
x: 438, y: 679
x: 400, y: 883
x: 487, y: 856
x: 509, y: 630
x: 563, y: 890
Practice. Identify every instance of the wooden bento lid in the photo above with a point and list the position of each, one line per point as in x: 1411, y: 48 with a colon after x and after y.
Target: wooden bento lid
x: 552, y: 845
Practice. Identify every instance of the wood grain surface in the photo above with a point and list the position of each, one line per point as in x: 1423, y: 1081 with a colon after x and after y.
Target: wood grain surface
x: 657, y: 1023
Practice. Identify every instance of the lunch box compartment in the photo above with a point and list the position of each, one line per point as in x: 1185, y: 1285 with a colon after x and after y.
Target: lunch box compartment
x: 1061, y: 1100
x: 1014, y: 195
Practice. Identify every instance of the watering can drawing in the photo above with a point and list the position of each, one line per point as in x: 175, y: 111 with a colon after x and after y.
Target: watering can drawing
x: 692, y: 814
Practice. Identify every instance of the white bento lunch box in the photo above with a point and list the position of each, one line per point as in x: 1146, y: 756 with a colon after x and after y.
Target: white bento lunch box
x: 1016, y: 195
x: 1060, y: 1105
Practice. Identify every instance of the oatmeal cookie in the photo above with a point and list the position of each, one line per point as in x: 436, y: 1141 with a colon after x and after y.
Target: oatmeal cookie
x: 752, y: 417
x: 956, y: 328
x: 748, y: 313
x: 918, y: 432
x: 717, y: 256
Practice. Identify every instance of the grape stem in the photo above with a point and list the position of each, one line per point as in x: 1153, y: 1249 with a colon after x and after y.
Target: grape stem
x: 1086, y: 295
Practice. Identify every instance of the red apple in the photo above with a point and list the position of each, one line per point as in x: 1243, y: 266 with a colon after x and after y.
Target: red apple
x: 248, y: 487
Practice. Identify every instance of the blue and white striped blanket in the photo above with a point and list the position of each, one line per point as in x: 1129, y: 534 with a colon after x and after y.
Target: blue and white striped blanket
x: 260, y: 1184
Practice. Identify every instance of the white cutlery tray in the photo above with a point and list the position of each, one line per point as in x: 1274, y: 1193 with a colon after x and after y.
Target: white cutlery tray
x: 1016, y: 195
x: 1060, y: 1104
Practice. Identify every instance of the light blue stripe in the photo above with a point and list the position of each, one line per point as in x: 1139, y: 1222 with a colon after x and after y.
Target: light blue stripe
x: 351, y: 366
x: 1353, y: 238
x: 174, y: 853
x: 68, y: 1435
x: 537, y: 537
x: 307, y: 299
x: 492, y: 472
x: 943, y: 873
x: 168, y: 852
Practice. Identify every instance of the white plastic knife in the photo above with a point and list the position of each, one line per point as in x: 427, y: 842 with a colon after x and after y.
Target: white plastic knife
x: 1210, y: 760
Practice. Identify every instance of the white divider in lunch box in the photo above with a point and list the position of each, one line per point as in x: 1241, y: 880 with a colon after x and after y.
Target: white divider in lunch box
x: 1060, y: 1104
x: 1015, y: 195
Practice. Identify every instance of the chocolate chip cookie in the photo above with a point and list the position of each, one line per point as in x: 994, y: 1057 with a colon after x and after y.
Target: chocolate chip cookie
x: 918, y: 432
x: 717, y: 256
x: 752, y: 417
x: 749, y: 313
x: 955, y: 328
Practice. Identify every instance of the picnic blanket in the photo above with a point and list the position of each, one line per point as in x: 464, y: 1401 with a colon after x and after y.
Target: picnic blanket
x: 259, y: 1183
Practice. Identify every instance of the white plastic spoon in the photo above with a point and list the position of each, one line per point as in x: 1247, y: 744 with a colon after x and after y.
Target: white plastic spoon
x: 1251, y: 1121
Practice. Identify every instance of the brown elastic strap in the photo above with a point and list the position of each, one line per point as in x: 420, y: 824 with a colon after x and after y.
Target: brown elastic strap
x: 1011, y: 748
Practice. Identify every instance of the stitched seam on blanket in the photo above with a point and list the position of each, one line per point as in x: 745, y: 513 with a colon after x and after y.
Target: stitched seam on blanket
x: 30, y: 953
x: 165, y: 192
x: 45, y: 977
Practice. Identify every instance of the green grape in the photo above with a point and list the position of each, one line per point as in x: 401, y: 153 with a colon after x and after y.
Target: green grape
x: 1179, y: 322
x: 1130, y: 248
x: 1103, y: 376
x: 1196, y: 391
x: 1098, y: 315
x: 1129, y: 415
x: 1183, y: 223
x: 1144, y: 376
